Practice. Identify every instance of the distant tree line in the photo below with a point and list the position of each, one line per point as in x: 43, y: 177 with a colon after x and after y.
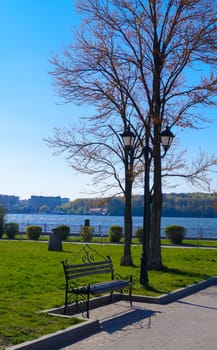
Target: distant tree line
x: 174, y: 204
x: 190, y: 205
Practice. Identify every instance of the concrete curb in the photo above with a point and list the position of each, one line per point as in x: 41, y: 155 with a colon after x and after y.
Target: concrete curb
x: 61, y: 338
x: 75, y: 333
x: 178, y: 294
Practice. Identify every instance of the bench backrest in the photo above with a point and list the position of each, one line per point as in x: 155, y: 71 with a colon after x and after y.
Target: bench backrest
x: 73, y: 271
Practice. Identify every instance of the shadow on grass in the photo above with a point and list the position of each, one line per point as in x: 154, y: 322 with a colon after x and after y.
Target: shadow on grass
x: 183, y: 245
x: 193, y: 277
x: 151, y: 288
x: 175, y: 271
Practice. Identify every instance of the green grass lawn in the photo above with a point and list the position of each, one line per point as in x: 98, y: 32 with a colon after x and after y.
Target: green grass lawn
x: 31, y: 280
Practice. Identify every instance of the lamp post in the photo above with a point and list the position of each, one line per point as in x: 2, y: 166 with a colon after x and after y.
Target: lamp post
x: 128, y: 141
x: 166, y: 141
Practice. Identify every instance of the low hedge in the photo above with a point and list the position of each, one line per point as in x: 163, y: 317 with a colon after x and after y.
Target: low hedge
x: 63, y: 231
x: 33, y: 232
x: 115, y: 233
x: 139, y: 234
x: 86, y: 233
x: 11, y: 229
x: 175, y: 233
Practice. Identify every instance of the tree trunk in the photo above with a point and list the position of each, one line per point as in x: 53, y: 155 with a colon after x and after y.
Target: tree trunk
x: 126, y: 259
x: 155, y: 259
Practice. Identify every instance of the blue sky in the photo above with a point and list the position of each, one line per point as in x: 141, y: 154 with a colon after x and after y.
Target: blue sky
x: 30, y: 31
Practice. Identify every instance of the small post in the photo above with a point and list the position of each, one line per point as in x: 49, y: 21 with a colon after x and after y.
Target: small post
x: 54, y: 241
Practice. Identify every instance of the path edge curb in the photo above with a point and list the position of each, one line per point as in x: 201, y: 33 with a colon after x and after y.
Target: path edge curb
x: 60, y: 338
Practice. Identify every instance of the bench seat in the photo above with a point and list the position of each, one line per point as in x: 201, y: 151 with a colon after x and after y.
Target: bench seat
x: 103, y: 287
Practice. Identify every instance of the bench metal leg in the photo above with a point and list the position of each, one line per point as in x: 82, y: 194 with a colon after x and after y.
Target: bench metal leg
x: 111, y: 295
x: 130, y: 291
x: 88, y: 301
x: 66, y: 301
x: 76, y: 303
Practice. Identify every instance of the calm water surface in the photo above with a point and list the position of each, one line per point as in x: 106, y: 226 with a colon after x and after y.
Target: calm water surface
x: 196, y: 227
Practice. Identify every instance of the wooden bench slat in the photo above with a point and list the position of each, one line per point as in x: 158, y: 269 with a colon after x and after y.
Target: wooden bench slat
x: 102, y: 287
x: 101, y: 263
x: 71, y: 276
x: 108, y: 286
x: 88, y: 268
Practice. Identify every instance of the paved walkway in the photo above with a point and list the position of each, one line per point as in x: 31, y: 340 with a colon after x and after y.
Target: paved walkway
x: 187, y: 324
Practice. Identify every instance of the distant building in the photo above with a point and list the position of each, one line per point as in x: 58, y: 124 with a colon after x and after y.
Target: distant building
x: 64, y: 200
x: 14, y: 205
x: 9, y: 202
x: 36, y: 202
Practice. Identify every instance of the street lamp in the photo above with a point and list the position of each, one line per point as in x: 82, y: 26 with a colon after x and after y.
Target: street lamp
x: 128, y: 137
x: 166, y: 141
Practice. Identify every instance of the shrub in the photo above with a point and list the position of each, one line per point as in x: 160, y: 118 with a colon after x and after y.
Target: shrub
x: 115, y: 233
x: 139, y: 234
x: 63, y: 231
x: 33, y: 232
x: 175, y: 233
x: 11, y: 229
x: 86, y: 233
x: 3, y: 212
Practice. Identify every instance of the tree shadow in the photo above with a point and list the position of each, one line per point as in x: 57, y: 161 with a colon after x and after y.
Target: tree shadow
x: 151, y: 288
x: 197, y: 305
x: 180, y: 272
x: 198, y: 276
x: 125, y: 319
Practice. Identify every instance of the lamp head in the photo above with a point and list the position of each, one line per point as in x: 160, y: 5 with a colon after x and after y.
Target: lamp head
x: 128, y: 137
x: 166, y: 138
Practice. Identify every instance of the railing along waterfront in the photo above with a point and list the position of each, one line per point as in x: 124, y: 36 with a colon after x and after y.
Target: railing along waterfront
x: 102, y: 231
x: 196, y: 227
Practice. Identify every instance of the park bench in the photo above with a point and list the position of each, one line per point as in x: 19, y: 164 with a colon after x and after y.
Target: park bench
x: 74, y: 288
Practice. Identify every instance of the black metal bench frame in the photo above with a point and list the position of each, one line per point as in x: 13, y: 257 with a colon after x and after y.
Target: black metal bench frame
x: 73, y: 272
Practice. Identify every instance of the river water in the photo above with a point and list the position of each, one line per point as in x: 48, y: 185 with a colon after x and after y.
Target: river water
x: 196, y: 227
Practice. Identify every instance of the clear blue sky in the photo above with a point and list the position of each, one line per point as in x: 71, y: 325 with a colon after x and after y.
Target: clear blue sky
x: 30, y: 31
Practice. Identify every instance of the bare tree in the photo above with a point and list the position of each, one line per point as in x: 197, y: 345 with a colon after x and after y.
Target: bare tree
x: 199, y: 173
x: 100, y: 152
x: 147, y: 61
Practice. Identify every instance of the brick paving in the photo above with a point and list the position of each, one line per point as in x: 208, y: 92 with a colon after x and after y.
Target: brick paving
x: 187, y: 324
